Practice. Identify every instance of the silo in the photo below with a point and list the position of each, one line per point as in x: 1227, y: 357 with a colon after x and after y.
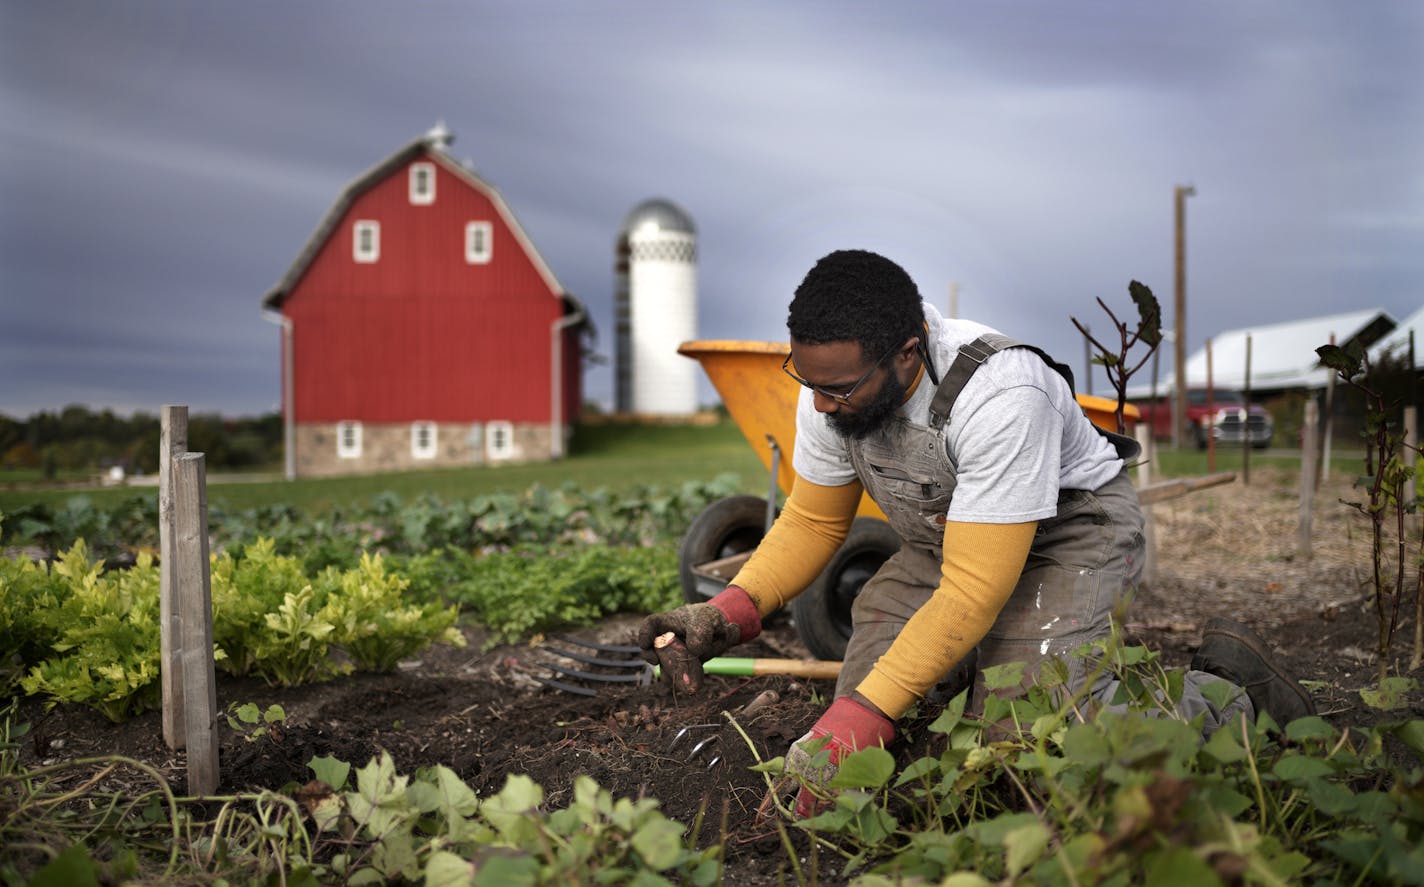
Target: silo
x: 655, y: 308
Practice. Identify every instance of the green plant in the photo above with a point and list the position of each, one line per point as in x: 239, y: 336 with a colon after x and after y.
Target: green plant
x: 1386, y: 480
x: 374, y: 624
x: 255, y: 724
x: 527, y: 590
x: 433, y: 826
x: 1149, y: 331
x: 1042, y: 789
x: 106, y: 635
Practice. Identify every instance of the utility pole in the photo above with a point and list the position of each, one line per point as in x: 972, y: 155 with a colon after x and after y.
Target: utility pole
x: 1179, y: 384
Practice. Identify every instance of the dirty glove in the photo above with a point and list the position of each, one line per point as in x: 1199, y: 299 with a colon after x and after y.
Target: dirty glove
x: 699, y: 632
x: 850, y: 727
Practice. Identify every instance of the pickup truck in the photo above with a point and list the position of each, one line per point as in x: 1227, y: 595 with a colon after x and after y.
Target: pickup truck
x: 1229, y: 420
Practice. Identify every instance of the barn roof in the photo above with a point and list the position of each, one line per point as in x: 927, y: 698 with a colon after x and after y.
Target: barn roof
x: 433, y: 143
x: 1282, y: 354
x: 1398, y: 340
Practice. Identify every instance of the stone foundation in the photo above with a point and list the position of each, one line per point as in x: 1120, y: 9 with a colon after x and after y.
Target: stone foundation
x: 387, y: 447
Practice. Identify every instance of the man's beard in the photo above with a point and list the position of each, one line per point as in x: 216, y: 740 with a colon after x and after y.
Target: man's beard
x: 873, y: 416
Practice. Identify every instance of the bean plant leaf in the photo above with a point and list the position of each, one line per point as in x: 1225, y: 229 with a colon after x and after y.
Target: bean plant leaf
x: 1179, y: 867
x: 1149, y: 312
x: 379, y: 802
x: 1392, y: 693
x: 445, y: 869
x: 659, y: 842
x: 868, y: 768
x: 330, y: 770
x: 1002, y: 677
x: 1224, y: 748
x: 1299, y: 768
x: 1345, y: 360
x: 1024, y: 846
x: 1411, y: 733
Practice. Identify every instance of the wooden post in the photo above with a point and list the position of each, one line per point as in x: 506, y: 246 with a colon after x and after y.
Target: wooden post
x: 195, y: 613
x: 1322, y: 468
x: 173, y: 442
x: 1246, y: 438
x: 1149, y: 523
x: 1210, y: 414
x: 1307, y: 478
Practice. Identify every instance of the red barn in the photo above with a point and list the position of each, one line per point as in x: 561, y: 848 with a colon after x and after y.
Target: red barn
x: 420, y: 327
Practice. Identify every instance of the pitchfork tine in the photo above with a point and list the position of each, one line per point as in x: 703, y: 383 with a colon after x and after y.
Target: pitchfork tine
x: 602, y: 648
x: 594, y: 660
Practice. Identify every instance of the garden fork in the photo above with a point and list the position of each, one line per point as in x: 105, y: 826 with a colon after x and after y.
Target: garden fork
x: 622, y: 664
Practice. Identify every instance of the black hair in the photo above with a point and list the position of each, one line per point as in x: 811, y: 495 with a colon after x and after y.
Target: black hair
x: 856, y: 295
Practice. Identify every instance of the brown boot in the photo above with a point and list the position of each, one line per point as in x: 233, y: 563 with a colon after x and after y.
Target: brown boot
x: 1234, y: 652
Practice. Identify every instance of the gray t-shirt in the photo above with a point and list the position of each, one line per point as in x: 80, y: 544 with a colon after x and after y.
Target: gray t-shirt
x: 1016, y: 435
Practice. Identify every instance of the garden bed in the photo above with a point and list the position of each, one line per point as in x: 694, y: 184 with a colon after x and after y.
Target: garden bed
x: 1227, y: 551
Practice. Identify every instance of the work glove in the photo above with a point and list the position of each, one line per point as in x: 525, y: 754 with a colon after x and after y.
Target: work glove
x: 681, y: 640
x: 848, y: 727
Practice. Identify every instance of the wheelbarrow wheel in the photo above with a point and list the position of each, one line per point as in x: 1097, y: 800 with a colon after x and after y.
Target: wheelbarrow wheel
x: 729, y: 526
x: 822, y: 611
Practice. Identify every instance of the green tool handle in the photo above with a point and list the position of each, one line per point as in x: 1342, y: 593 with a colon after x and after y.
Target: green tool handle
x: 801, y: 668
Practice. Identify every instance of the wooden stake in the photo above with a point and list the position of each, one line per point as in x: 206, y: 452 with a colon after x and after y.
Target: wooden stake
x: 1149, y: 522
x: 173, y: 442
x: 1246, y: 438
x: 1307, y: 478
x: 195, y: 613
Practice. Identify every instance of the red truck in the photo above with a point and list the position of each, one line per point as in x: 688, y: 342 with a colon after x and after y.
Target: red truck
x: 1229, y: 420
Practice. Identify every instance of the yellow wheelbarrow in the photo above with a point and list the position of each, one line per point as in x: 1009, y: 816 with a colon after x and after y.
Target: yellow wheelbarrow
x: 762, y: 401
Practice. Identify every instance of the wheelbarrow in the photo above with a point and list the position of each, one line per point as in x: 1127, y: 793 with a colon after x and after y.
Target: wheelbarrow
x: 762, y: 401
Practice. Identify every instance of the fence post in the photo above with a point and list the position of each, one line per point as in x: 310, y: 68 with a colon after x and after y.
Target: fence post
x: 173, y: 442
x: 1149, y: 524
x: 1307, y: 478
x: 195, y: 613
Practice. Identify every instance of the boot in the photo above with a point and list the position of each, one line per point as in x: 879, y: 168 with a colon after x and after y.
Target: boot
x: 1234, y: 652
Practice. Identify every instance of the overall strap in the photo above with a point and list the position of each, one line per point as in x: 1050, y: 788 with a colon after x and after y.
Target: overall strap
x: 968, y: 360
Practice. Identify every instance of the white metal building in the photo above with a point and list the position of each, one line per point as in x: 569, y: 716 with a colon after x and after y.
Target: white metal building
x: 655, y: 308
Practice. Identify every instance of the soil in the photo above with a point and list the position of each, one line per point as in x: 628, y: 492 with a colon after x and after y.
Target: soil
x: 1229, y: 550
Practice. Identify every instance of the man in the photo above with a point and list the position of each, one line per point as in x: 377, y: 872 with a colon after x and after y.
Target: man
x: 1020, y: 530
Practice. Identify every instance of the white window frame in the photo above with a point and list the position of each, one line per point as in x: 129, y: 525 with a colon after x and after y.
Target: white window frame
x: 348, y: 449
x: 420, y: 197
x: 479, y: 243
x: 367, y: 256
x: 431, y: 446
x: 499, y: 440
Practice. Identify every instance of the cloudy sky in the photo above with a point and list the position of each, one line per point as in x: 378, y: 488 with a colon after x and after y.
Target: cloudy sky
x: 161, y: 163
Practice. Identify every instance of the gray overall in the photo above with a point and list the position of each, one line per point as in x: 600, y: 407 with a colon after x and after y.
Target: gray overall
x: 1084, y: 562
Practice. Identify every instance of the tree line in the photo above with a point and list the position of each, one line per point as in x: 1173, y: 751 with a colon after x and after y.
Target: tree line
x: 77, y: 438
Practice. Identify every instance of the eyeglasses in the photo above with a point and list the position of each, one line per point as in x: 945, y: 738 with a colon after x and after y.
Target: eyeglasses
x: 843, y: 399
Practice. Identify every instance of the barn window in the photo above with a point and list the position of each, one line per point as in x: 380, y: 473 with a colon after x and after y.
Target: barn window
x: 348, y: 440
x: 499, y: 440
x: 479, y: 242
x: 366, y: 241
x: 422, y: 440
x: 422, y: 183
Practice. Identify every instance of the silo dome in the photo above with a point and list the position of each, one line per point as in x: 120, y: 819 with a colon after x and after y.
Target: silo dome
x: 655, y: 306
x: 658, y: 215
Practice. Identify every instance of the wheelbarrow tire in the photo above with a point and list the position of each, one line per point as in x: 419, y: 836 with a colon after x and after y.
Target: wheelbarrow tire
x: 823, y: 611
x: 728, y: 526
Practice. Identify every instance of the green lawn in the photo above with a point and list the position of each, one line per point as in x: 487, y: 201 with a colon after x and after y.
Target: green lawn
x: 609, y: 456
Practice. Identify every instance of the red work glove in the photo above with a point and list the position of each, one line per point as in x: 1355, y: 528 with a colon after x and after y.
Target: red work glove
x: 851, y: 727
x: 699, y: 632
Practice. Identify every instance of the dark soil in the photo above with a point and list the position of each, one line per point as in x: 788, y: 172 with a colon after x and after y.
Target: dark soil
x: 1228, y: 551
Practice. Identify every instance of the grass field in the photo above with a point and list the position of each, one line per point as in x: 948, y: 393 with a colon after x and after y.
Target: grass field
x: 613, y: 456
x: 610, y: 456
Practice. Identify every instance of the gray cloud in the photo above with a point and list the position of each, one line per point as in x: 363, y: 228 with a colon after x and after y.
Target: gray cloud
x: 164, y: 161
